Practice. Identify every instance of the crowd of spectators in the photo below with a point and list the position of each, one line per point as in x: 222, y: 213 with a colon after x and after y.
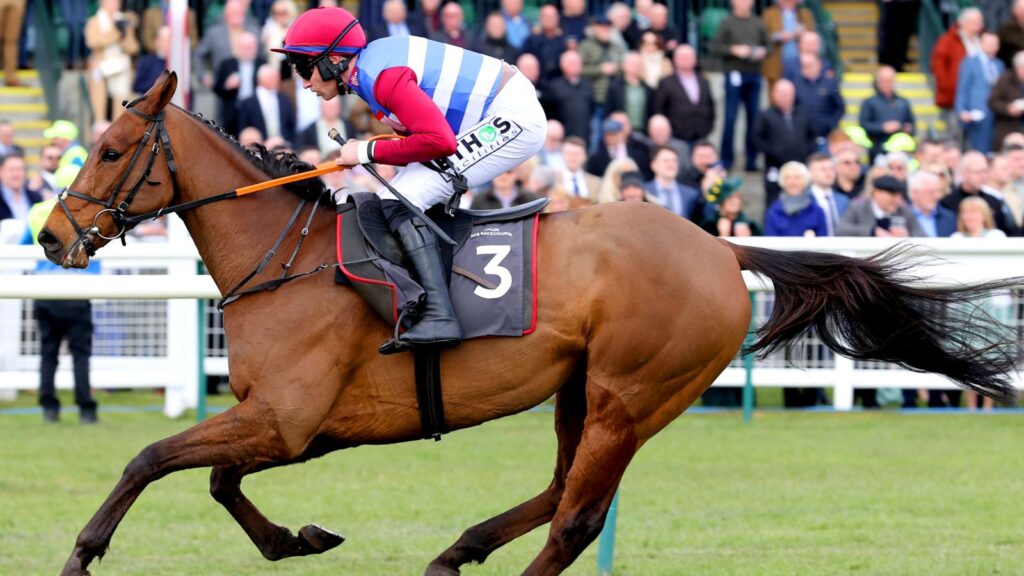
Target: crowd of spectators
x: 631, y: 112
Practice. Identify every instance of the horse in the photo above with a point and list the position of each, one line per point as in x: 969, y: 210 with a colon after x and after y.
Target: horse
x: 639, y: 312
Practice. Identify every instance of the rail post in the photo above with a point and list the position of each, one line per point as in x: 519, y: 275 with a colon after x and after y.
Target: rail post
x: 606, y: 547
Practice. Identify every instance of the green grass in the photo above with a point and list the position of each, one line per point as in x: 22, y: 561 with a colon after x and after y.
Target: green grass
x: 814, y: 494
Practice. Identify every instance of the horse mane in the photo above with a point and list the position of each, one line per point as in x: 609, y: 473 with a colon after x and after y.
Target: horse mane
x: 274, y: 163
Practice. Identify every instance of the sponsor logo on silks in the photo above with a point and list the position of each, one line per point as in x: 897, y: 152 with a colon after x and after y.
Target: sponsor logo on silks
x: 390, y: 122
x: 491, y: 232
x: 482, y: 140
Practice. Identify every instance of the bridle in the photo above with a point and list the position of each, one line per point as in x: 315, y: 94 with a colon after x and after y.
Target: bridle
x: 155, y: 131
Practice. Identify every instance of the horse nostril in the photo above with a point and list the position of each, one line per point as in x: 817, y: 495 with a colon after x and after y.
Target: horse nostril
x: 48, y: 241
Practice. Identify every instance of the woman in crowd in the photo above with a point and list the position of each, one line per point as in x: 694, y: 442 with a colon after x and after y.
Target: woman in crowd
x: 795, y: 213
x: 111, y: 36
x: 727, y: 218
x: 611, y: 183
x: 656, y: 64
x: 975, y: 220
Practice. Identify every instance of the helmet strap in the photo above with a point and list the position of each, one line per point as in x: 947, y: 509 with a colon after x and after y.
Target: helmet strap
x: 331, y: 71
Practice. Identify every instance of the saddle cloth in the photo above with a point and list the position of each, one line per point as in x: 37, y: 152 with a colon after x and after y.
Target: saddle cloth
x: 492, y: 269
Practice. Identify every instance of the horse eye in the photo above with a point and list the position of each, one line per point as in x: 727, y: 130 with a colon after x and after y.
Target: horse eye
x: 111, y: 155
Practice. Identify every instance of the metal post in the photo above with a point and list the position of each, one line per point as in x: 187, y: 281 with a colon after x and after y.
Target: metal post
x: 748, y: 365
x: 606, y: 547
x: 201, y: 403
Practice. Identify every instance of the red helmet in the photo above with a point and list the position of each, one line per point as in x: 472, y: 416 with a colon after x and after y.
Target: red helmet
x: 316, y: 30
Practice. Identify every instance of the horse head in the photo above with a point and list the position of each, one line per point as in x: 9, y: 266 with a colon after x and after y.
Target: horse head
x: 129, y: 171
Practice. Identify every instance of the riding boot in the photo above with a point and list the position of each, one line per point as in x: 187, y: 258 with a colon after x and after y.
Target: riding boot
x: 438, y: 325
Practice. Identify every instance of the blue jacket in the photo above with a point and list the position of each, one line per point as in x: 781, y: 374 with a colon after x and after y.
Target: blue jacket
x: 821, y: 101
x: 778, y: 223
x: 972, y: 87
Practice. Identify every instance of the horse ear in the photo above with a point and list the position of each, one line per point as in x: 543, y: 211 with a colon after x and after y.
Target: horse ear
x: 159, y: 96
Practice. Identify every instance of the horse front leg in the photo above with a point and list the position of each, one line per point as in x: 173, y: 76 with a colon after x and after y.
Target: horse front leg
x: 273, y: 541
x: 245, y: 433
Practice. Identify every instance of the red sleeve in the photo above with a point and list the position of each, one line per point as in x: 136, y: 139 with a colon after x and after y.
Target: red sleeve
x: 397, y: 90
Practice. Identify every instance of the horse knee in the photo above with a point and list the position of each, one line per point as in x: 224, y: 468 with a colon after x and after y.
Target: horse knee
x: 143, y: 468
x: 577, y: 530
x: 223, y: 485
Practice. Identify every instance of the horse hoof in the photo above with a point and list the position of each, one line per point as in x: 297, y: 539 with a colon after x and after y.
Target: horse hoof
x: 435, y: 570
x: 320, y: 539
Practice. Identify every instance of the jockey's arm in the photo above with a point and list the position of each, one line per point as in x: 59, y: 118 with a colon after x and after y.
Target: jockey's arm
x: 430, y: 136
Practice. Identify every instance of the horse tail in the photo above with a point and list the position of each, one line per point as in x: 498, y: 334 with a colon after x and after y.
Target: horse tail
x: 872, y: 309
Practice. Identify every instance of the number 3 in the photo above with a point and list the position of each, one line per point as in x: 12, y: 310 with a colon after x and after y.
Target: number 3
x: 494, y: 268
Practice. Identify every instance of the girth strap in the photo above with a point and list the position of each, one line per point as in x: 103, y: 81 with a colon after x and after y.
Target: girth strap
x: 428, y: 392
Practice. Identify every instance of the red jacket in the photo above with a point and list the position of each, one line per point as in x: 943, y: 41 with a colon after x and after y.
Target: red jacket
x: 946, y: 57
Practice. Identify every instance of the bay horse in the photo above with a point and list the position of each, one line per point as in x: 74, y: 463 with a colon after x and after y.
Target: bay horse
x: 639, y: 312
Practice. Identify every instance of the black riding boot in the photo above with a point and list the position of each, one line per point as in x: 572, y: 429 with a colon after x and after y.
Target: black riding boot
x: 438, y: 324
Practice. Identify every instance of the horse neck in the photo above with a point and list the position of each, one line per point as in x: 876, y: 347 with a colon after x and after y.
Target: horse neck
x: 232, y: 236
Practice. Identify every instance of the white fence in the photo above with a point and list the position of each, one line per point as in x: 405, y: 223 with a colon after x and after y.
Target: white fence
x: 147, y: 318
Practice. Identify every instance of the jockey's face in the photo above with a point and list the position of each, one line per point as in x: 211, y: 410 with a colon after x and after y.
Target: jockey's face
x: 327, y: 89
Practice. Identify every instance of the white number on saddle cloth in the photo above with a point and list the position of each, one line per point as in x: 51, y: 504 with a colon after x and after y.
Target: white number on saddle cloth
x: 482, y: 140
x: 494, y: 268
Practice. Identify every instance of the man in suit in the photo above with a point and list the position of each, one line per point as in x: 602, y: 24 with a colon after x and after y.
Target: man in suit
x: 235, y: 81
x: 504, y: 192
x: 823, y: 179
x: 575, y: 180
x: 548, y: 42
x: 882, y: 214
x: 973, y: 180
x: 783, y: 133
x: 220, y: 41
x: 572, y: 96
x: 681, y: 200
x: 684, y: 97
x: 978, y: 74
x: 268, y: 110
x: 396, y: 22
x: 617, y: 143
x: 936, y: 220
x: 15, y: 198
x: 316, y: 134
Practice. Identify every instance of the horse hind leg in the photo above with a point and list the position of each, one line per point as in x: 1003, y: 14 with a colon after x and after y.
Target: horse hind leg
x: 244, y: 433
x: 608, y: 444
x: 273, y: 541
x: 479, y: 541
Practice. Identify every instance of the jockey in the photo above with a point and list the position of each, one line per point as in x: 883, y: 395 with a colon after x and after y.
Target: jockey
x: 478, y: 113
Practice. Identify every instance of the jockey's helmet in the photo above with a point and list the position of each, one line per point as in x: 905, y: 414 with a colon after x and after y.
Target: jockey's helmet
x: 319, y: 33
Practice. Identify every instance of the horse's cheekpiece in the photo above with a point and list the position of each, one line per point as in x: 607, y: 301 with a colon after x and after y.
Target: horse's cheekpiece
x: 492, y: 275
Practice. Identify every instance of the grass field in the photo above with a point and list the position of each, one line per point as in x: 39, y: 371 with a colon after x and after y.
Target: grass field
x: 791, y: 493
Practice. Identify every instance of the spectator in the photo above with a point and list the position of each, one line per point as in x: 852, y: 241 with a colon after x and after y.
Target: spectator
x: 12, y: 13
x: 785, y: 22
x: 396, y: 22
x: 886, y: 113
x: 961, y: 40
x: 316, y: 134
x: 850, y: 172
x: 823, y: 180
x: 1000, y: 185
x: 45, y: 181
x: 15, y: 197
x: 430, y: 14
x: 643, y: 13
x: 547, y: 43
x: 973, y: 179
x: 809, y: 43
x: 572, y: 96
x: 1006, y: 100
x: 882, y: 213
x: 626, y: 32
x: 282, y: 14
x: 951, y: 156
x: 659, y: 133
x: 897, y: 25
x: 617, y: 143
x: 453, y: 24
x: 551, y: 153
x: 727, y: 218
x: 633, y: 189
x: 601, y: 60
x: 574, y: 21
x: 75, y: 13
x: 897, y: 163
x: 685, y: 98
x: 742, y: 41
x: 249, y: 136
x: 652, y: 54
x: 7, y: 143
x: 1013, y: 190
x: 153, y: 64
x: 975, y: 220
x: 560, y: 201
x: 679, y: 199
x: 705, y: 169
x: 1011, y: 35
x: 517, y: 28
x: 64, y: 135
x: 935, y: 220
x: 503, y: 193
x: 268, y: 110
x: 978, y: 74
x: 575, y: 181
x: 611, y: 181
x: 661, y: 26
x: 493, y: 41
x: 111, y: 36
x: 784, y: 134
x: 236, y: 81
x: 795, y: 213
x: 929, y: 152
x: 819, y: 97
x: 156, y: 17
x: 220, y: 41
x: 628, y: 92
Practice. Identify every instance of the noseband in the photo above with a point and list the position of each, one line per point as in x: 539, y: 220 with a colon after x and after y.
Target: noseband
x: 155, y: 131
